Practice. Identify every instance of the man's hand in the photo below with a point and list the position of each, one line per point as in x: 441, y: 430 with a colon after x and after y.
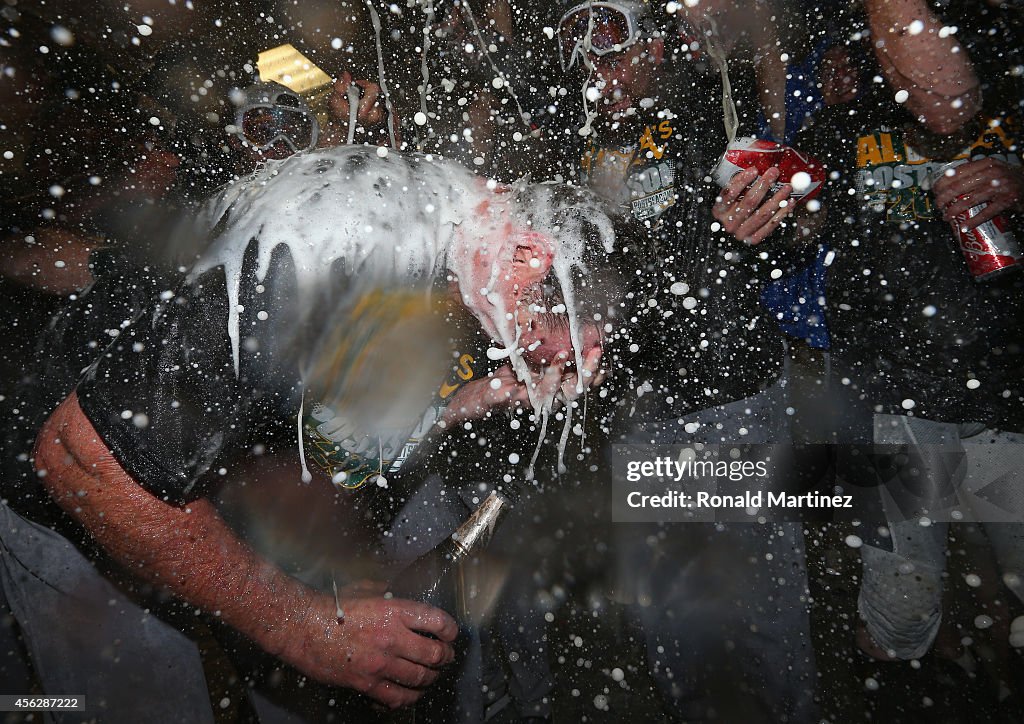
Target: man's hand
x: 742, y: 210
x: 475, y: 399
x: 191, y: 551
x: 375, y: 649
x: 370, y: 109
x: 978, y: 182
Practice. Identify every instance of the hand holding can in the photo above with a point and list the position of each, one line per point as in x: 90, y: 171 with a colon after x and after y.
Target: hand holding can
x: 804, y: 173
x: 973, y: 196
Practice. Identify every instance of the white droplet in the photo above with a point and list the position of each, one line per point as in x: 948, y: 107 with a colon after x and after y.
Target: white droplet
x: 814, y: 206
x: 973, y: 384
x: 689, y: 303
x: 382, y: 151
x: 929, y: 311
x: 497, y: 82
x: 8, y: 155
x: 144, y: 30
x: 854, y: 541
x: 776, y: 273
x: 800, y: 181
x: 908, y: 404
x: 871, y: 684
x: 495, y: 384
x: 973, y: 580
x: 982, y: 621
x: 56, y: 191
x: 679, y: 288
x: 420, y: 119
x: 901, y: 96
x: 336, y: 43
x: 62, y: 36
x: 593, y: 94
x: 691, y: 427
x: 514, y: 424
x: 618, y: 674
x: 262, y: 316
x: 513, y: 458
x: 916, y: 27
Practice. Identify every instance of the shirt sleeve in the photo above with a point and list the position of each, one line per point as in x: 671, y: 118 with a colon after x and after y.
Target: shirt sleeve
x: 165, y: 395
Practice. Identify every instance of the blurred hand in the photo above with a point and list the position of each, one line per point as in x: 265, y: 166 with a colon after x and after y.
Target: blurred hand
x: 472, y: 401
x: 370, y: 110
x: 977, y: 182
x: 743, y: 211
x: 375, y: 649
x: 838, y: 77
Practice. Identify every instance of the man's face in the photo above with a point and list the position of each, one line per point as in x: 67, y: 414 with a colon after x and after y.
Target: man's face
x: 627, y: 77
x: 506, y: 281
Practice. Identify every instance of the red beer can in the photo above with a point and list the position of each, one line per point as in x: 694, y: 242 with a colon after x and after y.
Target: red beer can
x: 805, y: 173
x: 991, y: 248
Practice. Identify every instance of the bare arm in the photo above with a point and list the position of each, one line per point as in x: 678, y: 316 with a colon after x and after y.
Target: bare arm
x: 193, y: 553
x: 935, y: 71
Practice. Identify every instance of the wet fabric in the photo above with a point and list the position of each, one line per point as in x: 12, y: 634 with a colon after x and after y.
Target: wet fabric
x: 709, y: 340
x: 86, y: 638
x: 900, y: 598
x: 909, y: 325
x: 723, y: 607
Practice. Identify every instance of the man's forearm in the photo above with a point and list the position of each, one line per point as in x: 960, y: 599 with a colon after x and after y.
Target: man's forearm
x: 189, y: 549
x: 913, y: 48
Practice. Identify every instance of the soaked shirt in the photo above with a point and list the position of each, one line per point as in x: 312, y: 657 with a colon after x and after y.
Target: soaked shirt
x: 911, y: 326
x: 708, y: 341
x: 167, y: 401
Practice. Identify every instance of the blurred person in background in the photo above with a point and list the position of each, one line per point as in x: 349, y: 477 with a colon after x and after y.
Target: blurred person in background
x: 723, y: 608
x: 929, y: 354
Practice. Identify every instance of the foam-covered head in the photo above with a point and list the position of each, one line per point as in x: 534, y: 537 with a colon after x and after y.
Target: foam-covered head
x: 357, y: 218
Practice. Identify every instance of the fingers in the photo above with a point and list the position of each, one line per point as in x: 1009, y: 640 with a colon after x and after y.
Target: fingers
x: 986, y: 181
x: 948, y: 188
x: 338, y: 101
x: 768, y: 217
x: 409, y: 674
x: 428, y: 619
x: 393, y: 695
x: 369, y: 112
x: 987, y: 214
x: 745, y: 214
x: 592, y: 375
x: 421, y: 650
x: 734, y: 188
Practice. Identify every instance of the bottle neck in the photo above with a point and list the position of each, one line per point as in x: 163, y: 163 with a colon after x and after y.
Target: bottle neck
x: 478, y: 529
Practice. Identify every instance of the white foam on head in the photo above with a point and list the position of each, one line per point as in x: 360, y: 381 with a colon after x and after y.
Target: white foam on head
x: 402, y: 217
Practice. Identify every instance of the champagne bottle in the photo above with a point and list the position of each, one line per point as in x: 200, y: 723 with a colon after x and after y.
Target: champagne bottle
x: 437, y: 577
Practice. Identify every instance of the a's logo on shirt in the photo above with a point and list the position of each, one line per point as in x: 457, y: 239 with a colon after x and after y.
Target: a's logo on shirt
x: 891, y: 175
x: 640, y: 176
x: 352, y: 458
